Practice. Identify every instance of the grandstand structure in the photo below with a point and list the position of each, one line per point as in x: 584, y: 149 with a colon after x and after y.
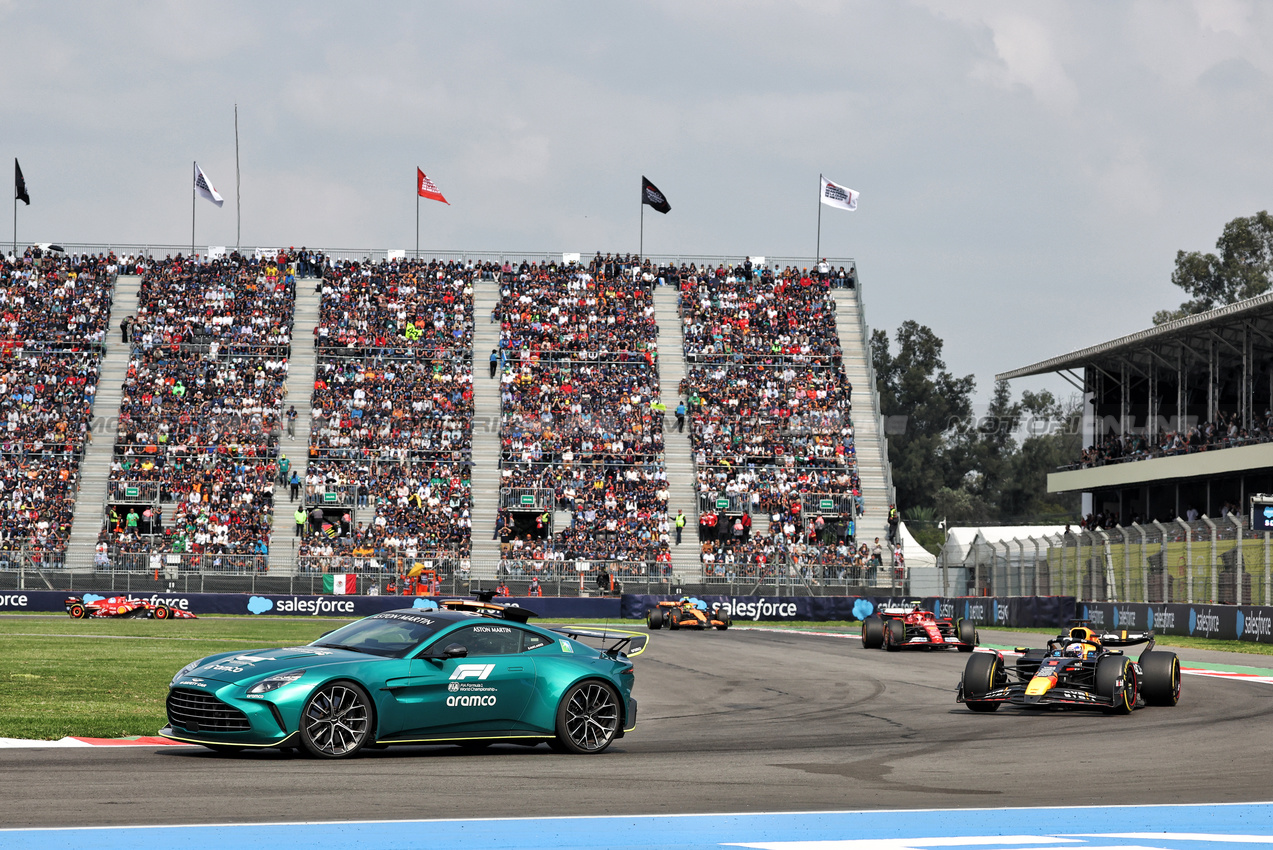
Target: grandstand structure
x: 167, y: 452
x: 1177, y: 436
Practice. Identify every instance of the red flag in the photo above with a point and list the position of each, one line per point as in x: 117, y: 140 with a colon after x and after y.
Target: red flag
x: 426, y: 189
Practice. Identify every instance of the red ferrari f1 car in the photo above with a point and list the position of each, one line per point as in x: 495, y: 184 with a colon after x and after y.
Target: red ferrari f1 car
x: 123, y: 606
x: 914, y: 628
x: 686, y: 613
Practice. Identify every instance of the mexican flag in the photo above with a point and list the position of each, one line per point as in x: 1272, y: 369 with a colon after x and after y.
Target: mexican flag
x: 340, y: 583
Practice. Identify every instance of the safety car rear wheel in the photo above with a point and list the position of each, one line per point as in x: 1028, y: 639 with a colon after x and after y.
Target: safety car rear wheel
x: 1116, y: 680
x: 78, y: 611
x: 1160, y: 678
x: 966, y: 631
x: 982, y: 674
x: 872, y: 633
x: 894, y: 635
x: 336, y: 721
x: 654, y: 619
x: 587, y: 718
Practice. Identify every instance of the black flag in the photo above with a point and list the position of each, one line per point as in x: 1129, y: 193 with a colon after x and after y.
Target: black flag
x: 19, y: 184
x: 651, y: 195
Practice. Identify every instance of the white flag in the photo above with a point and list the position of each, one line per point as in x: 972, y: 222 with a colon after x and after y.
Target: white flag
x: 204, y: 186
x: 839, y: 197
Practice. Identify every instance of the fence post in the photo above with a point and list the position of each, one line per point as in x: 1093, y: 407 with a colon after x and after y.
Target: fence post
x: 1239, y: 564
x: 1127, y: 559
x: 1078, y: 562
x: 1144, y: 562
x: 1162, y: 559
x: 1266, y: 570
x: 1034, y: 583
x: 1215, y: 575
x: 1188, y: 559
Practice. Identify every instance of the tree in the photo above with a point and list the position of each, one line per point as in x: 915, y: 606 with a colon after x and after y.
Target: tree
x: 1243, y: 268
x: 927, y: 402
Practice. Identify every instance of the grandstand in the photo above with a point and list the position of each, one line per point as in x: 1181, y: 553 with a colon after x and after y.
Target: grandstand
x: 1177, y: 437
x: 567, y: 461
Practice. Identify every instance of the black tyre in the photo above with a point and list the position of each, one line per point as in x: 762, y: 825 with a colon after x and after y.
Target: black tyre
x: 723, y: 619
x: 1116, y: 680
x: 337, y: 721
x: 673, y: 619
x: 1160, y: 678
x: 894, y: 635
x: 982, y: 674
x: 966, y: 631
x: 654, y: 619
x: 162, y: 612
x: 78, y: 611
x: 587, y: 718
x: 224, y: 749
x: 872, y: 633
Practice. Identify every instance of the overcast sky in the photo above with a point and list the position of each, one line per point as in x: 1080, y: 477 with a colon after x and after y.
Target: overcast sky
x: 1027, y: 171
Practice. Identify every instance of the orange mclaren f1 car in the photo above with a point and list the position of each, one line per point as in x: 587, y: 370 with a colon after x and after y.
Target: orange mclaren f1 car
x: 686, y: 613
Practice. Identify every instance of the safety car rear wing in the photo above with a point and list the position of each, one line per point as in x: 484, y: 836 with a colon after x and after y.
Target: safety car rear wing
x: 613, y: 641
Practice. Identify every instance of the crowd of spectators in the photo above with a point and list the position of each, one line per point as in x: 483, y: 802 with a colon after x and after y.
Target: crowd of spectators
x: 392, y: 415
x: 200, y: 414
x: 770, y: 419
x: 1226, y: 432
x: 579, y: 420
x: 54, y: 315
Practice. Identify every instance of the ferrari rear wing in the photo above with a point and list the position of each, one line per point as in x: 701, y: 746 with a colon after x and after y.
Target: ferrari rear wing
x: 613, y: 641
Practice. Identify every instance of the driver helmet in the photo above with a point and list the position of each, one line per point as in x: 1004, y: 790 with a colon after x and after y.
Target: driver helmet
x: 1075, y: 650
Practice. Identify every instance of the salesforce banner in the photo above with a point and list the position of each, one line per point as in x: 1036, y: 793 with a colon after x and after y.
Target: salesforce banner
x: 1219, y: 622
x: 307, y: 606
x: 1046, y: 611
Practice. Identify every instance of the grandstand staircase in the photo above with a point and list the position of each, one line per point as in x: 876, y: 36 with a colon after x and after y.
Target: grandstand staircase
x: 484, y: 484
x: 872, y: 453
x: 678, y: 454
x: 90, y: 503
x: 300, y: 392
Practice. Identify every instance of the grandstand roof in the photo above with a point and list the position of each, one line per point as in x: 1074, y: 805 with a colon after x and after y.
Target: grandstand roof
x: 1224, y: 323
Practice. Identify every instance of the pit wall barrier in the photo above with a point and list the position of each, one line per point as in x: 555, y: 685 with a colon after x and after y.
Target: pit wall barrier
x: 275, y: 605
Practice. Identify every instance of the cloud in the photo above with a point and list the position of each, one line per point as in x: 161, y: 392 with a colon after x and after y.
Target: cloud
x: 259, y: 604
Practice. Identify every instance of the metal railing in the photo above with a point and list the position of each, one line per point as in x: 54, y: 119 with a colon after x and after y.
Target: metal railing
x: 1207, y: 561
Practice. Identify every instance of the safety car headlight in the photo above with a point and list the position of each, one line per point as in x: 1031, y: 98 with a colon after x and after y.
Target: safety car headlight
x: 273, y: 683
x: 184, y: 670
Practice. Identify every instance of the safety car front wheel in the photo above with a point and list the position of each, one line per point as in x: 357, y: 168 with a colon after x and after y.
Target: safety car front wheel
x: 336, y: 721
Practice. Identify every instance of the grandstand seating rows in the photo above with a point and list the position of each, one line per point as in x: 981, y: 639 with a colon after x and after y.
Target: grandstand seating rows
x: 392, y: 411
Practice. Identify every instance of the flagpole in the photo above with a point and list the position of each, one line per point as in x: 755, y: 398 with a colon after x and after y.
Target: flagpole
x: 641, y: 243
x: 193, y: 165
x: 818, y: 251
x: 417, y: 223
x: 238, y: 197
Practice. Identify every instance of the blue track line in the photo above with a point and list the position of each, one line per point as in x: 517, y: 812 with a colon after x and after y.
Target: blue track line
x: 1165, y: 827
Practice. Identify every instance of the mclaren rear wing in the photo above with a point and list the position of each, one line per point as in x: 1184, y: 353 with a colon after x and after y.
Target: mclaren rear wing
x: 611, y: 641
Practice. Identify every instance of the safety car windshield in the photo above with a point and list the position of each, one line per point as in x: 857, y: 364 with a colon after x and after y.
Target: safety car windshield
x: 391, y: 635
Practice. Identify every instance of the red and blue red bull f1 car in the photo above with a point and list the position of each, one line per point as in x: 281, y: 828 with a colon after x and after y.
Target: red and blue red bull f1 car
x: 1079, y: 669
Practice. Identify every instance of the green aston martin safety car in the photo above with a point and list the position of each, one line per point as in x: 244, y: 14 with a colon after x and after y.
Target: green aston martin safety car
x: 469, y: 673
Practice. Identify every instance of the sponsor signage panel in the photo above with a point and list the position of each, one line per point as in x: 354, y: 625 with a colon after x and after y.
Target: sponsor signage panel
x: 275, y: 605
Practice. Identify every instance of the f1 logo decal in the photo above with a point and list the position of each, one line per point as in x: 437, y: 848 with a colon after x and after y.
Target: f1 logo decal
x: 472, y: 671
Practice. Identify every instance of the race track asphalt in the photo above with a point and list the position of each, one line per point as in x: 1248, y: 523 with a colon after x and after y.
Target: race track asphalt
x: 731, y: 721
